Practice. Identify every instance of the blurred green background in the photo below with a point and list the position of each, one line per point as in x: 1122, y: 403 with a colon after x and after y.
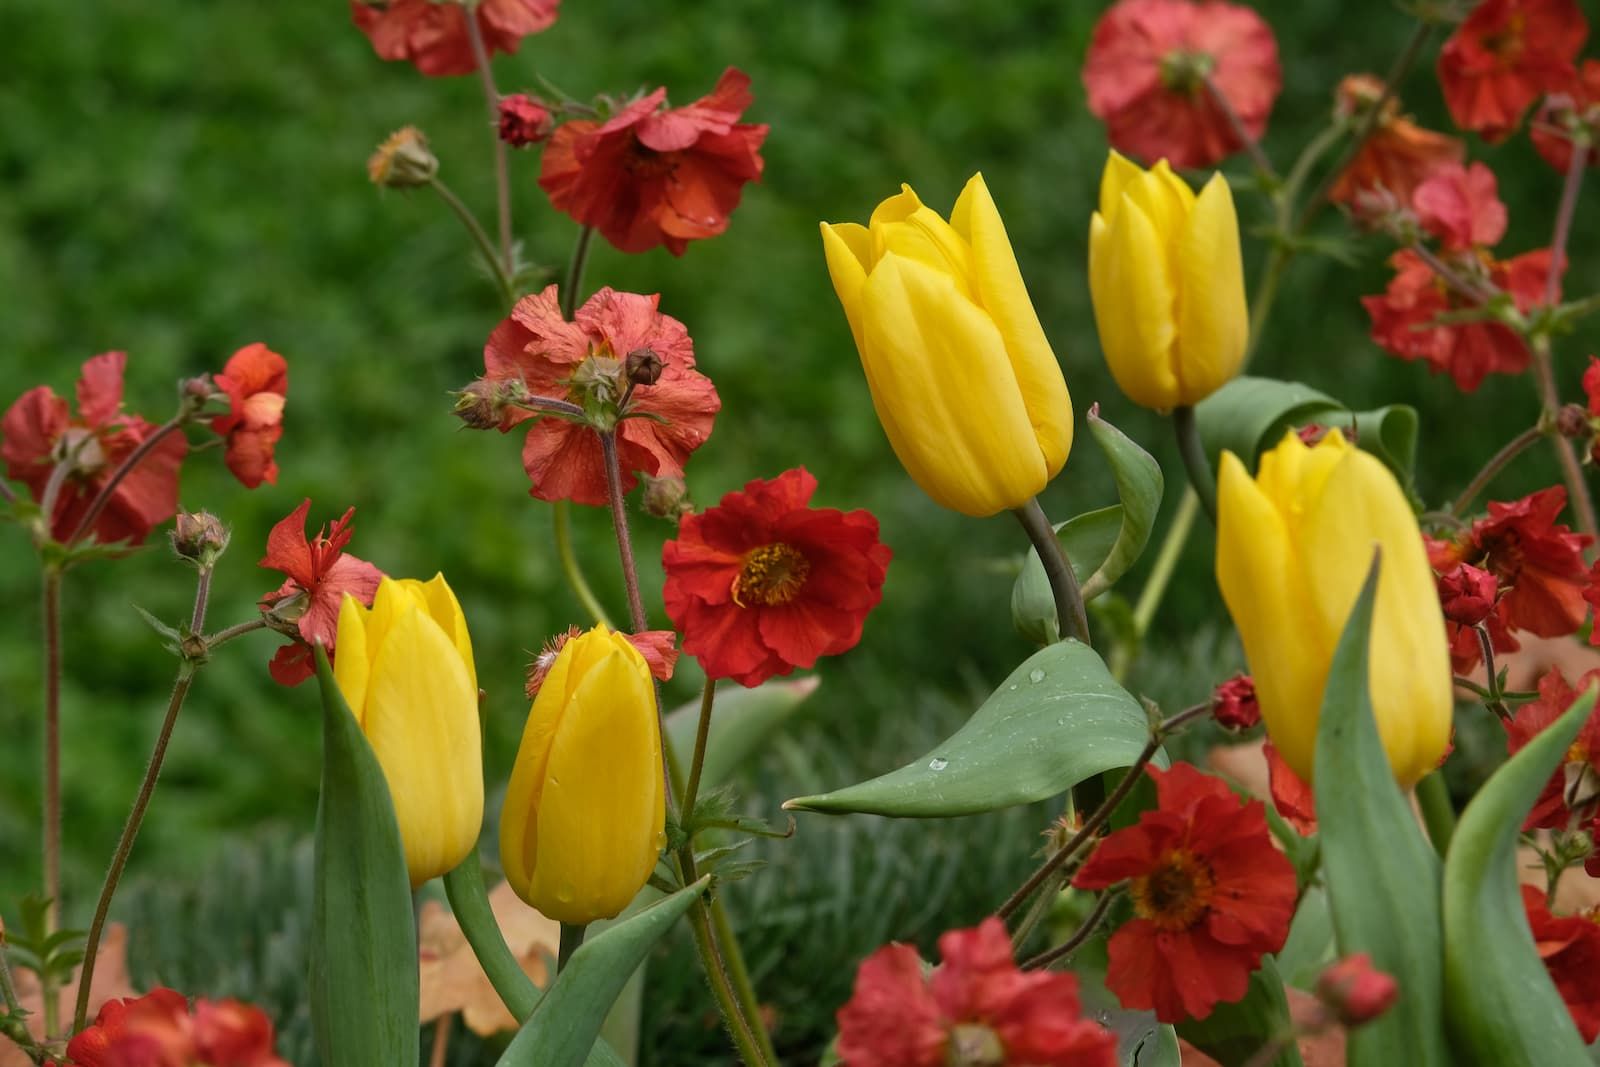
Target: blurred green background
x: 181, y: 179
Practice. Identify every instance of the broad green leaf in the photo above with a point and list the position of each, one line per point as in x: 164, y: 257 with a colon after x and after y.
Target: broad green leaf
x: 1142, y: 1040
x: 363, y: 984
x: 1234, y: 1033
x: 1310, y: 947
x: 1503, y: 1008
x: 1381, y: 873
x: 741, y: 721
x: 1058, y: 719
x: 563, y: 1028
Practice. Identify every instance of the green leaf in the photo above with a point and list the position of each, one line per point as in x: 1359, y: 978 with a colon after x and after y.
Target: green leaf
x: 1058, y: 719
x: 1503, y: 1008
x: 1142, y: 1040
x: 363, y: 986
x: 1234, y: 1033
x: 562, y: 1029
x: 1382, y: 875
x: 741, y: 721
x: 1310, y: 947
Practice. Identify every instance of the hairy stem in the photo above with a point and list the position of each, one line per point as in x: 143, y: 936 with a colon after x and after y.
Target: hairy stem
x: 619, y: 523
x: 561, y: 515
x: 1252, y: 147
x: 1070, y: 615
x: 1571, y: 466
x: 474, y: 228
x: 502, y: 173
x: 1512, y: 449
x: 132, y: 460
x: 1085, y: 930
x: 575, y: 269
x: 52, y: 749
x: 691, y: 792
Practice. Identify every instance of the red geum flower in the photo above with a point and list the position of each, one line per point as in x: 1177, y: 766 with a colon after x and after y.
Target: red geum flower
x: 1233, y: 703
x: 1570, y: 948
x: 976, y: 1008
x: 568, y: 360
x: 1211, y: 896
x: 1291, y: 796
x: 1538, y: 562
x: 1591, y: 386
x: 256, y: 381
x: 1467, y: 594
x: 648, y: 176
x: 1574, y: 788
x: 1147, y: 75
x: 1573, y: 108
x: 159, y: 1031
x: 1466, y: 649
x: 523, y: 120
x: 1504, y: 56
x: 40, y: 433
x: 1461, y: 207
x: 1398, y: 155
x: 658, y: 647
x: 433, y: 35
x: 90, y: 1047
x: 763, y: 583
x: 1356, y: 990
x: 318, y: 574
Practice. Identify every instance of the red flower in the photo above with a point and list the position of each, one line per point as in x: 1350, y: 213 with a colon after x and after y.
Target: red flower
x: 1356, y: 990
x: 658, y: 647
x: 1211, y: 896
x: 1591, y: 386
x: 762, y: 583
x: 977, y: 1007
x: 158, y: 1031
x: 1233, y: 703
x: 1538, y: 561
x: 1398, y: 155
x: 1575, y: 786
x: 1461, y: 206
x: 90, y: 1048
x: 1574, y: 107
x: 40, y: 432
x: 1504, y: 56
x: 1467, y: 594
x: 648, y: 176
x: 523, y: 120
x: 317, y: 576
x: 573, y: 360
x: 256, y: 380
x: 1147, y: 70
x: 1570, y: 949
x: 1291, y: 796
x: 433, y: 35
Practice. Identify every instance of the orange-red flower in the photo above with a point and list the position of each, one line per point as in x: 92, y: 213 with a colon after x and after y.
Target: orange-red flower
x: 40, y: 432
x: 1537, y: 560
x: 1573, y: 791
x: 1504, y: 56
x: 658, y: 647
x: 90, y: 1047
x: 763, y: 583
x: 650, y: 176
x: 1356, y: 990
x: 1147, y: 71
x: 1461, y: 206
x: 585, y: 361
x: 1292, y: 798
x: 433, y: 35
x: 977, y: 1007
x: 317, y: 575
x: 1398, y: 155
x: 1574, y: 107
x: 1570, y: 948
x: 1467, y: 594
x: 256, y: 381
x: 523, y: 120
x: 159, y: 1030
x: 1211, y: 896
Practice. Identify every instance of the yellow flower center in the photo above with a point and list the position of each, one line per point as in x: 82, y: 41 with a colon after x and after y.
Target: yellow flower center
x: 974, y: 1045
x: 771, y: 574
x: 1176, y: 893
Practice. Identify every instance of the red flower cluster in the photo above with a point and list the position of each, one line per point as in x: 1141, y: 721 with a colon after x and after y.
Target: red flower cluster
x: 658, y: 647
x: 1153, y: 65
x: 41, y: 434
x: 1211, y: 896
x: 1574, y: 107
x: 1504, y: 56
x: 523, y: 120
x: 159, y: 1030
x: 976, y: 1007
x: 1570, y: 948
x: 433, y: 35
x: 650, y: 176
x: 256, y: 382
x: 317, y: 575
x: 1234, y: 705
x: 1397, y: 156
x: 1573, y: 792
x: 763, y: 583
x: 585, y: 360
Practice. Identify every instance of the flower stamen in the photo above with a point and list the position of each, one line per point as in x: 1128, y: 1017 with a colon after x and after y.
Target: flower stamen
x: 769, y: 575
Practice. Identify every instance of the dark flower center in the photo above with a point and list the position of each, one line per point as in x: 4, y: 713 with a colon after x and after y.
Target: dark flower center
x: 1186, y: 72
x: 974, y: 1045
x: 1176, y: 892
x: 771, y: 574
x: 1507, y: 43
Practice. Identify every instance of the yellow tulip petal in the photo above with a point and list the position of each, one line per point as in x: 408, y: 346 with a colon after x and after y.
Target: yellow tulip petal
x: 1292, y: 475
x: 929, y: 240
x: 1175, y: 187
x: 394, y: 598
x: 1133, y: 308
x: 1003, y: 295
x: 1213, y: 321
x: 446, y: 611
x: 1119, y: 173
x: 1158, y: 196
x: 896, y: 208
x: 848, y: 248
x: 351, y: 664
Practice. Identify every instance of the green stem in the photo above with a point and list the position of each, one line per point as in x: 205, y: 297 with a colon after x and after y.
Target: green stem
x: 580, y: 260
x: 1438, y: 813
x: 1070, y: 614
x: 52, y: 780
x: 486, y: 249
x: 1155, y: 586
x: 1578, y: 495
x: 739, y: 1027
x: 1265, y: 293
x: 238, y: 629
x: 1514, y: 448
x: 744, y: 990
x: 1193, y: 451
x: 572, y: 935
x: 469, y: 900
x: 561, y: 514
x: 1079, y: 936
x: 502, y: 172
x: 708, y: 697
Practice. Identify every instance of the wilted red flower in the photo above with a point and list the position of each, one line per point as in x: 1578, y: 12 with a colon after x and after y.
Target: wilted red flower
x: 1356, y: 990
x: 1398, y: 155
x: 433, y: 35
x: 1147, y: 70
x: 663, y: 423
x: 1575, y: 786
x: 91, y: 1046
x: 658, y: 647
x: 1466, y: 648
x: 1574, y: 107
x: 523, y: 120
x: 1538, y: 561
x: 1461, y: 207
x: 1211, y: 896
x: 976, y: 1008
x: 1570, y: 948
x: 1467, y: 594
x: 256, y: 380
x: 1504, y: 56
x: 763, y: 583
x: 40, y: 432
x: 317, y: 576
x: 1234, y: 705
x: 648, y: 176
x: 1292, y: 798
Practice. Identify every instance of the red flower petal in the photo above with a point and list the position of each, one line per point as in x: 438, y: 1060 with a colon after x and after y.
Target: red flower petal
x: 433, y: 36
x: 1504, y: 56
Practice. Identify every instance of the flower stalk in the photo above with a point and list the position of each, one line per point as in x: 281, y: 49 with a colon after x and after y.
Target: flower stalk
x: 469, y: 901
x: 1195, y: 464
x: 1070, y: 614
x: 502, y: 171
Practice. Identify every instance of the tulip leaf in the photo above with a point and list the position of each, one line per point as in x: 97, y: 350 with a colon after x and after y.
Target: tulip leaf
x: 741, y: 721
x: 1384, y: 900
x: 1058, y: 719
x: 562, y: 1030
x: 1142, y: 1039
x: 363, y: 982
x: 1234, y: 1034
x: 1102, y: 545
x: 1501, y: 1003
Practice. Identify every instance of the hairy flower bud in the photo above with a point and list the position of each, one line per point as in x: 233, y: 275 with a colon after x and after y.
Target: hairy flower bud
x: 1356, y: 991
x: 643, y: 366
x: 666, y: 498
x: 199, y: 537
x: 403, y: 161
x: 482, y: 404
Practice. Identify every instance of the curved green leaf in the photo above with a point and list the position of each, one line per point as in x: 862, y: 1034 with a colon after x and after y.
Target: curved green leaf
x: 740, y: 724
x: 1087, y: 540
x: 363, y: 983
x: 1503, y: 1007
x: 1381, y: 873
x: 1058, y: 719
x: 563, y: 1028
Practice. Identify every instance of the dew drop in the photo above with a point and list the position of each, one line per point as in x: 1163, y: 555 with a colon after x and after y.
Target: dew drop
x: 1036, y: 676
x: 937, y: 764
x: 1012, y: 687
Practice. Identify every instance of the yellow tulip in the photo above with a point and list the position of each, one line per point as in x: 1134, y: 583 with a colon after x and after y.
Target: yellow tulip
x: 1294, y: 547
x: 405, y: 668
x: 963, y: 379
x: 1168, y: 284
x: 586, y: 808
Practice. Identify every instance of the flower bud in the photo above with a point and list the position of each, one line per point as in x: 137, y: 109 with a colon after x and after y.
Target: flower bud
x: 1234, y: 705
x: 1356, y: 991
x: 643, y: 366
x: 523, y: 120
x: 483, y: 404
x: 666, y: 498
x: 1467, y: 594
x: 199, y: 537
x: 403, y: 161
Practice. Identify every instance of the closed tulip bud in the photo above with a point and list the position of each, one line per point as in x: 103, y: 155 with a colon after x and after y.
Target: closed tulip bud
x: 1294, y: 547
x: 405, y: 668
x: 964, y: 381
x: 585, y: 810
x: 1167, y: 281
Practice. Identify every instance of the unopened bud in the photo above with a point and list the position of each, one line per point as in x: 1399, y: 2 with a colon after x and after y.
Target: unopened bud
x: 483, y: 404
x: 199, y: 536
x: 1467, y: 594
x: 643, y: 366
x: 666, y: 498
x: 1312, y: 432
x: 1234, y: 704
x: 523, y: 120
x: 1356, y: 990
x: 1357, y: 95
x: 1573, y: 421
x: 403, y: 161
